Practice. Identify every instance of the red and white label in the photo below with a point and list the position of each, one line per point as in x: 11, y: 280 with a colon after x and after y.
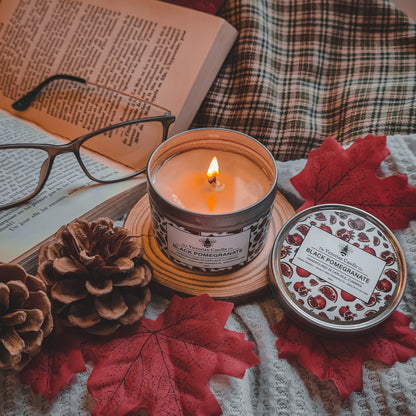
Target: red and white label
x: 340, y: 263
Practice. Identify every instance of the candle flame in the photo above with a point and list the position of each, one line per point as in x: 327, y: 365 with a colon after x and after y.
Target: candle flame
x: 212, y: 173
x: 213, y: 170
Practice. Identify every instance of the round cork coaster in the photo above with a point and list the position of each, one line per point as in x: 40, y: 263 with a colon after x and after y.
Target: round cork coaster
x: 238, y: 285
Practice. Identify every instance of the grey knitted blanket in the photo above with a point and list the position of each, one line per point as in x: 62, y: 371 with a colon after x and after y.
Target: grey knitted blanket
x: 274, y: 386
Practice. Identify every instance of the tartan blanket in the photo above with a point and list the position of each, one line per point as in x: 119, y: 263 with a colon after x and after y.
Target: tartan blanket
x: 304, y: 70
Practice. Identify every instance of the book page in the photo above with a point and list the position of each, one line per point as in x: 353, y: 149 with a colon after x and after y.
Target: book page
x: 150, y: 49
x: 68, y: 192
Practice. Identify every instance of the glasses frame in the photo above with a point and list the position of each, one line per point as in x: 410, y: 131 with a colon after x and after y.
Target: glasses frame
x: 73, y: 146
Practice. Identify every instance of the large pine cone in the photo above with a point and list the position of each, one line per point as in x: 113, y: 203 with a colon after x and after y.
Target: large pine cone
x: 96, y: 276
x: 25, y: 316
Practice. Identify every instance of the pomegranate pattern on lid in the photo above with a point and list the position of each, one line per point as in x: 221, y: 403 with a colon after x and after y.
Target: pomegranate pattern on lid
x: 338, y: 268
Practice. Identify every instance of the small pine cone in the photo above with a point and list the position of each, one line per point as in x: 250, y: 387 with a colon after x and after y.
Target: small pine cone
x: 25, y: 316
x: 96, y: 276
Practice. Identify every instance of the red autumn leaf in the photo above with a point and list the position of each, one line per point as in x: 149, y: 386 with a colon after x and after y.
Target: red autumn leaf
x: 60, y: 358
x: 349, y: 176
x: 340, y: 359
x: 164, y: 365
x: 207, y: 6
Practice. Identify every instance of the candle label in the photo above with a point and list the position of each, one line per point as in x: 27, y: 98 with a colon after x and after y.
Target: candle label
x: 208, y: 249
x: 340, y: 263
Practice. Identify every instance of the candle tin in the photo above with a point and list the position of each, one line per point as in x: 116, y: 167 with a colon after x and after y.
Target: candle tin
x: 337, y: 269
x: 213, y: 243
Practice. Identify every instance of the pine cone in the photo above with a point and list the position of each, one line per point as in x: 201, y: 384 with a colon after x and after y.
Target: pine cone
x: 96, y: 276
x: 25, y: 316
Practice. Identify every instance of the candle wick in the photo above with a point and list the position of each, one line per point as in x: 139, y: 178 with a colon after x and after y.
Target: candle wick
x: 213, y: 180
x: 216, y: 184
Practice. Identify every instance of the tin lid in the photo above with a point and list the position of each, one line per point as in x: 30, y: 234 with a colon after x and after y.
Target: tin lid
x: 337, y: 269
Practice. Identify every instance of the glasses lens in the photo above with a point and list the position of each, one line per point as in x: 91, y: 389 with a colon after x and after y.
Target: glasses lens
x: 20, y: 171
x: 130, y: 145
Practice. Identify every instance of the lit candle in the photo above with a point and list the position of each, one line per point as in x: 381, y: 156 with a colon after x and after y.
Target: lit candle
x: 211, y: 193
x: 191, y: 181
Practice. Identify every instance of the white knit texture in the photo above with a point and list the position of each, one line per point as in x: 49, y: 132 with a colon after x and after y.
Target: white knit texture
x: 274, y: 386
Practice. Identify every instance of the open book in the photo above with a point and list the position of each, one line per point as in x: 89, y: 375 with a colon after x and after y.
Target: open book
x: 162, y: 53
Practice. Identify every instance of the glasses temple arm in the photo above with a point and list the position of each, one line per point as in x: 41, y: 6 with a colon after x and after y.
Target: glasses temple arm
x: 129, y: 95
x: 24, y: 102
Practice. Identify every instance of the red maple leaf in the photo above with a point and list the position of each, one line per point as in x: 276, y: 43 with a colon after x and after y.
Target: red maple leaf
x: 60, y: 358
x: 164, y: 365
x: 349, y: 176
x: 207, y: 6
x: 340, y: 359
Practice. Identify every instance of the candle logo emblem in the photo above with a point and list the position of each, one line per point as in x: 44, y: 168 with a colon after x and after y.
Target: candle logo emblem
x: 215, y: 185
x: 344, y: 250
x: 207, y: 242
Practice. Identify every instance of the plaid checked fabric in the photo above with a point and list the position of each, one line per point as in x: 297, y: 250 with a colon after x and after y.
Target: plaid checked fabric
x: 303, y: 70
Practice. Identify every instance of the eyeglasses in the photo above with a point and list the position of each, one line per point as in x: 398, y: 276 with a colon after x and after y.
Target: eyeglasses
x: 120, y: 122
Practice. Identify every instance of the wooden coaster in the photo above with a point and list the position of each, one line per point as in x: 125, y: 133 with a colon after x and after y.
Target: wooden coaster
x: 235, y: 286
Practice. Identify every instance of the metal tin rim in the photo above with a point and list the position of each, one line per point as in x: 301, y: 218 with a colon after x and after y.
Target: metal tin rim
x: 268, y: 198
x: 295, y: 311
